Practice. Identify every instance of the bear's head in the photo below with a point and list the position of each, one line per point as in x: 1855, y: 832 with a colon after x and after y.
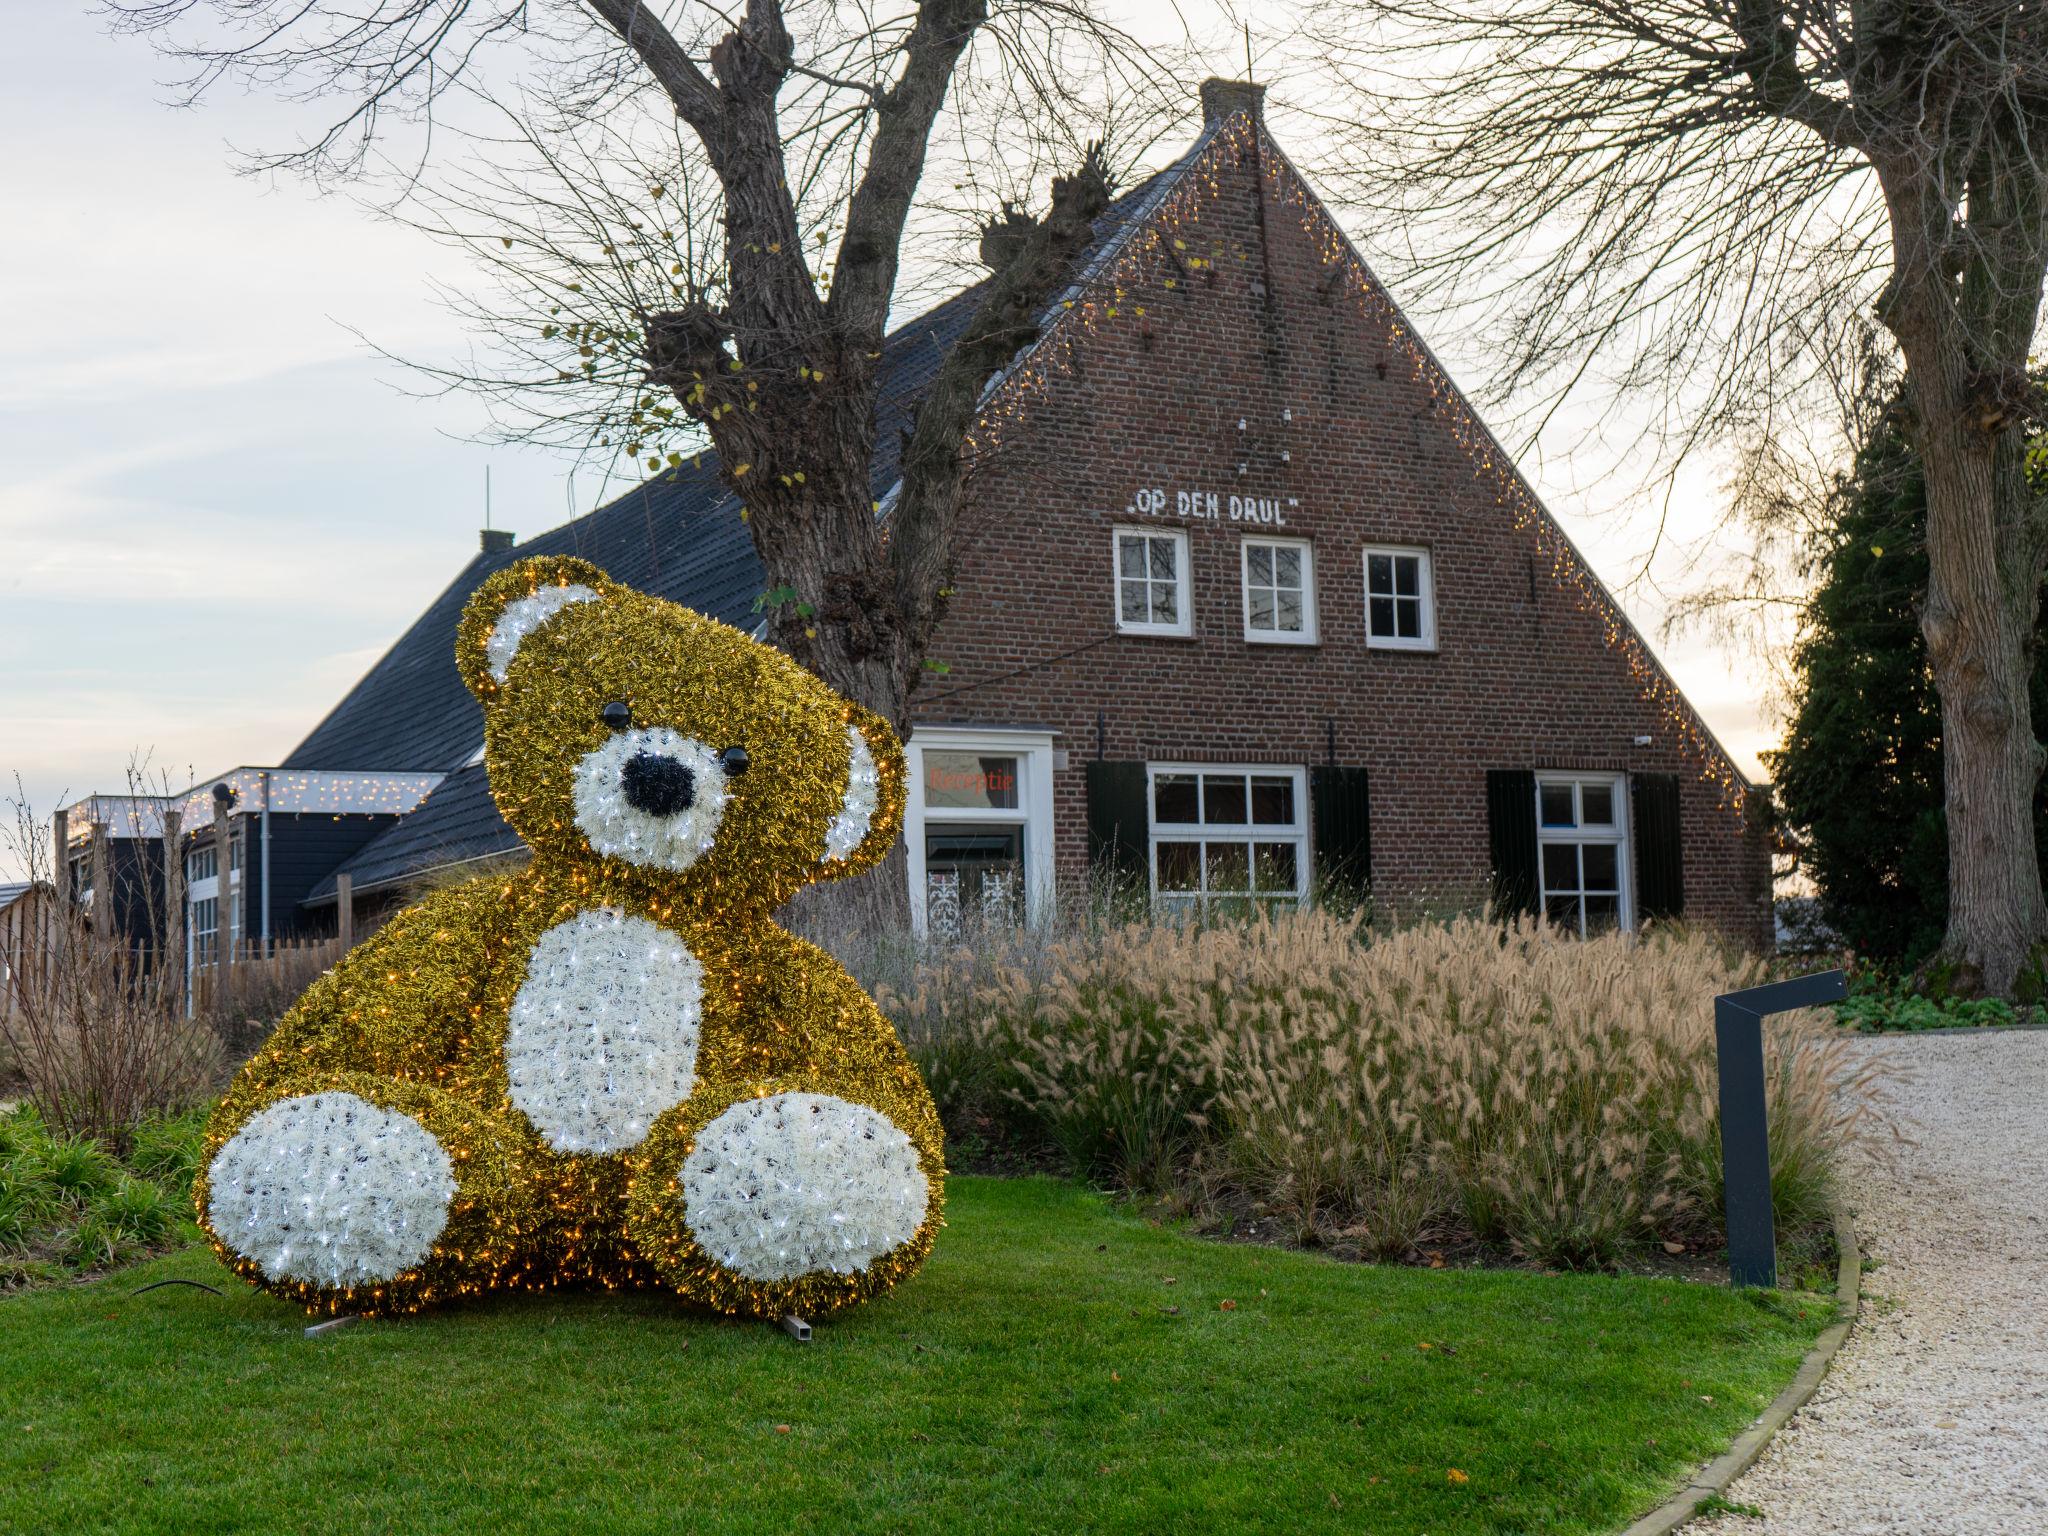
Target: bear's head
x: 632, y: 732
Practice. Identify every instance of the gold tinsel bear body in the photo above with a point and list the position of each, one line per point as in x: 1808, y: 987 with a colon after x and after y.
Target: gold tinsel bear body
x: 612, y: 1067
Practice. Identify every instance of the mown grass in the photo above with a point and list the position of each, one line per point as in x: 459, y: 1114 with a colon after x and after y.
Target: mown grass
x: 1059, y: 1366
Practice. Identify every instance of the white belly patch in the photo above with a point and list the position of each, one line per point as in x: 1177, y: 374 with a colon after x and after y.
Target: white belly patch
x: 603, y: 1034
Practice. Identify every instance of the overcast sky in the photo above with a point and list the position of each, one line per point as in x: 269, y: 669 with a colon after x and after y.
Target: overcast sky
x: 216, y: 509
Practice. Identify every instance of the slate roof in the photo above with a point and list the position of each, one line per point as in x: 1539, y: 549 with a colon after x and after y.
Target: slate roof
x: 679, y: 537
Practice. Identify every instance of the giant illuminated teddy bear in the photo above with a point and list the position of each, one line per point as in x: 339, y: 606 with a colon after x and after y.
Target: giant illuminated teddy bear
x: 612, y: 1066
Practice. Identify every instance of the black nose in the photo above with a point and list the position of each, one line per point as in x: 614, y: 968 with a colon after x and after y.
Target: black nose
x: 658, y: 785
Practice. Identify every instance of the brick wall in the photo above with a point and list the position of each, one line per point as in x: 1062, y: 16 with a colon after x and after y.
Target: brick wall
x: 1341, y: 434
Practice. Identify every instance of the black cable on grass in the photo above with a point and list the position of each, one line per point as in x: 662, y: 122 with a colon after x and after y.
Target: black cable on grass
x: 197, y: 1285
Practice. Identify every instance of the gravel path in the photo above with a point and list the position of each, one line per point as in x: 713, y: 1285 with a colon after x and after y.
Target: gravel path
x: 1934, y: 1417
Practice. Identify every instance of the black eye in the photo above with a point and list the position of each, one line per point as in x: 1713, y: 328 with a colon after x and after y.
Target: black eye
x: 734, y: 760
x: 617, y: 715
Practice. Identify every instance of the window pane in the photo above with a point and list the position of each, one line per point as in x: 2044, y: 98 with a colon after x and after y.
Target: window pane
x: 1274, y: 865
x: 1560, y: 867
x: 1407, y: 576
x: 1289, y: 620
x: 968, y: 780
x: 1601, y: 867
x: 1180, y: 867
x: 1410, y: 616
x: 1273, y: 801
x: 1596, y: 804
x: 1130, y: 555
x: 1262, y: 615
x: 1223, y: 800
x: 1131, y: 602
x: 1379, y: 573
x: 1381, y: 615
x: 1563, y: 911
x: 1176, y: 799
x: 1229, y: 866
x: 1557, y: 805
x: 1165, y: 603
x: 1287, y: 566
x: 1258, y: 560
x: 1602, y: 912
x: 1163, y: 563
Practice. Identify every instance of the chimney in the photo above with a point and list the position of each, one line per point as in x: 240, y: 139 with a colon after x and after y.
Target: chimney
x: 497, y: 540
x: 1220, y: 98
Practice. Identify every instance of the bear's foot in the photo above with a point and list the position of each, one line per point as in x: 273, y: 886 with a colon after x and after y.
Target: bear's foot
x: 791, y: 1202
x: 364, y: 1195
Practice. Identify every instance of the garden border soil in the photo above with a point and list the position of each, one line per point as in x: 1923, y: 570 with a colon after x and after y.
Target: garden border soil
x: 1713, y: 1479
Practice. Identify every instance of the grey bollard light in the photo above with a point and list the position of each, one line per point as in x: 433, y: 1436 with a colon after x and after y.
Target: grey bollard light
x: 1745, y: 1134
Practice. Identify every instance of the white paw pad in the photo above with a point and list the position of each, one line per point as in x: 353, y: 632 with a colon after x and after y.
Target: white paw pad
x: 330, y: 1190
x: 802, y: 1183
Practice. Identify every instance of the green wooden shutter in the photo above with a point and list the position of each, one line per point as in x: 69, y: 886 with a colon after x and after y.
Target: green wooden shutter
x: 1119, y: 827
x: 1342, y: 813
x: 1511, y: 832
x: 1660, y: 847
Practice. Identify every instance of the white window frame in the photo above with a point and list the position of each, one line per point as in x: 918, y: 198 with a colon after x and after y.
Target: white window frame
x: 1182, y: 578
x: 1306, y: 635
x: 1425, y: 583
x: 1035, y: 759
x: 1295, y: 832
x: 1615, y: 836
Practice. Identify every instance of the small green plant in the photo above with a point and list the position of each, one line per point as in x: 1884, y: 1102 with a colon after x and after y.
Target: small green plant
x: 1887, y: 1009
x: 69, y: 1206
x: 76, y: 1167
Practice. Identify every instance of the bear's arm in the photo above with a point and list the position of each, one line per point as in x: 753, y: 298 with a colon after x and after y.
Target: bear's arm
x: 400, y: 1003
x: 850, y: 1046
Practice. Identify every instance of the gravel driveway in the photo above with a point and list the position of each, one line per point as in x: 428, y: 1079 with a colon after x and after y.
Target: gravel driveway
x: 1934, y: 1417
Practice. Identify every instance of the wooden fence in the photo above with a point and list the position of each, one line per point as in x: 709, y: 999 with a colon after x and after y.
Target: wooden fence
x: 263, y: 974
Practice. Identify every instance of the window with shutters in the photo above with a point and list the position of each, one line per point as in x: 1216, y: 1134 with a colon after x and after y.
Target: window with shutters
x: 1227, y: 836
x: 1582, y: 851
x: 1400, y: 605
x: 1279, y: 591
x: 1152, y: 582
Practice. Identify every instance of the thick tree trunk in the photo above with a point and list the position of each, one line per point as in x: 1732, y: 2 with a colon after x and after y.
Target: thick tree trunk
x: 1981, y: 607
x: 1963, y: 304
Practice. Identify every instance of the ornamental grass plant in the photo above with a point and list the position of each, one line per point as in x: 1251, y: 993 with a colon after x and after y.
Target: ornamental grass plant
x: 1446, y: 1082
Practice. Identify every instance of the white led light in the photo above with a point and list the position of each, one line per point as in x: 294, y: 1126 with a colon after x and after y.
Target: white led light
x: 603, y: 1033
x: 617, y: 827
x: 849, y: 829
x: 330, y: 1190
x: 802, y: 1183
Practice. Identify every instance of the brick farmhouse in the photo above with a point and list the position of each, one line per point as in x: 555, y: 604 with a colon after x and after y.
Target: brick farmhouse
x: 1249, y: 603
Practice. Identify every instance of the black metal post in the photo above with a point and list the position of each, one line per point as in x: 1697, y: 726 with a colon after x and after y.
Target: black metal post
x: 1745, y: 1134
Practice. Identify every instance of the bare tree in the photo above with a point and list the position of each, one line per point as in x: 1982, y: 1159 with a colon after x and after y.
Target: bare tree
x: 701, y: 215
x: 1694, y: 200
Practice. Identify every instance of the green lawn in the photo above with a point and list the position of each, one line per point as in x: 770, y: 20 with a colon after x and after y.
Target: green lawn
x: 1041, y: 1375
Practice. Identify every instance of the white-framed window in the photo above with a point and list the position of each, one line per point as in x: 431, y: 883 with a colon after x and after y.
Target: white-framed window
x: 1152, y: 582
x: 1279, y: 591
x: 204, y: 927
x: 1400, y: 605
x: 1582, y: 850
x: 1228, y: 834
x: 978, y: 827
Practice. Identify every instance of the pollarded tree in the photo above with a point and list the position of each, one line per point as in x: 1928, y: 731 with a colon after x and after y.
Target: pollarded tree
x: 1693, y: 199
x: 700, y: 215
x: 697, y: 217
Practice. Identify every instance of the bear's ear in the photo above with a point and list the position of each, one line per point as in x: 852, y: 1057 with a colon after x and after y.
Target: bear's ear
x: 510, y: 605
x: 870, y: 813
